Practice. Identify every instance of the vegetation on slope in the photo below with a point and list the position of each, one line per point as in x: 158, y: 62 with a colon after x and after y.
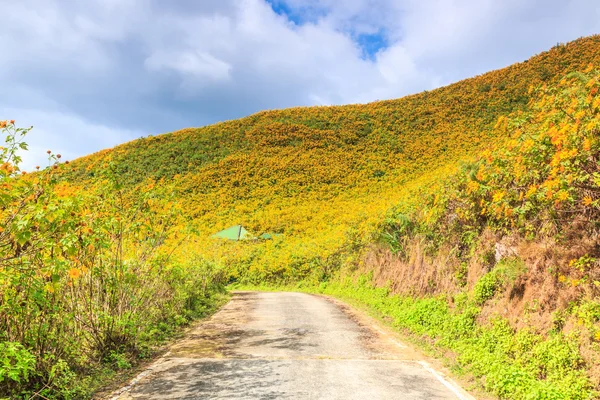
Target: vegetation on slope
x: 325, y: 176
x: 113, y: 267
x: 497, y: 269
x: 515, y: 233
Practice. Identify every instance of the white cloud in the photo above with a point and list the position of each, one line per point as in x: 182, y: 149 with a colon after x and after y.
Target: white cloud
x: 195, y: 64
x: 51, y: 128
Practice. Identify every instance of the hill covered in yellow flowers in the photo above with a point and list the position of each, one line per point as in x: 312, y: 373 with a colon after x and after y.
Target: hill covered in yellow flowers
x: 324, y: 177
x: 467, y: 216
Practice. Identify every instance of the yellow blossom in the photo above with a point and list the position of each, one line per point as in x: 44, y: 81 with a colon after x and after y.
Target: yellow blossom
x: 74, y: 273
x: 498, y: 195
x: 562, y: 195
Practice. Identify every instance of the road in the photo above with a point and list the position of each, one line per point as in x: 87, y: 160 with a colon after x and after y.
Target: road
x: 290, y: 346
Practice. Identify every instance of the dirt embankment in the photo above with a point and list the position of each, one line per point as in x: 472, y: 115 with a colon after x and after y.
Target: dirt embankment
x: 543, y: 297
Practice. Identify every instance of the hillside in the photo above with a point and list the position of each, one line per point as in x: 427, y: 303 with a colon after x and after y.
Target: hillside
x: 325, y: 176
x: 466, y: 216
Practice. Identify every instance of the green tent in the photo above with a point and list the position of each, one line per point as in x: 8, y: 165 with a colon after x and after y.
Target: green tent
x: 236, y: 232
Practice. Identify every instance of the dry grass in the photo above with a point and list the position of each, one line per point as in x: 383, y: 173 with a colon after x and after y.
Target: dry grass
x: 419, y: 275
x: 531, y: 301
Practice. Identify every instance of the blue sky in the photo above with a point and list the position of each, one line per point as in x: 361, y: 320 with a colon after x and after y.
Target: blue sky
x: 90, y: 75
x: 298, y: 15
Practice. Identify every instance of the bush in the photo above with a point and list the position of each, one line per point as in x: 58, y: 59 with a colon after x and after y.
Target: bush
x: 86, y: 274
x: 486, y: 288
x: 16, y: 363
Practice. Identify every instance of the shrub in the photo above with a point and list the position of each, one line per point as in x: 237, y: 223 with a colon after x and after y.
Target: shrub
x: 85, y: 274
x: 16, y: 363
x: 486, y: 287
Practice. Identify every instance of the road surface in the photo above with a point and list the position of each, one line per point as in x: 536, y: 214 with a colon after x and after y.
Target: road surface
x: 289, y: 346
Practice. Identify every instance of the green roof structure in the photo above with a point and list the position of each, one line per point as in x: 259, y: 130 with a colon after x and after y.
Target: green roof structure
x: 236, y: 232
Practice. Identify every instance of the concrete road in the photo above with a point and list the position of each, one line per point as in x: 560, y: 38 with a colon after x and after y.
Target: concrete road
x: 290, y: 346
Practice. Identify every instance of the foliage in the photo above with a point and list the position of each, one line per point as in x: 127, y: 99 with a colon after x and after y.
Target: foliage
x: 486, y: 288
x: 544, y: 180
x: 326, y: 176
x: 103, y: 257
x: 506, y: 271
x: 16, y: 362
x: 541, y: 181
x: 547, y: 175
x: 85, y: 275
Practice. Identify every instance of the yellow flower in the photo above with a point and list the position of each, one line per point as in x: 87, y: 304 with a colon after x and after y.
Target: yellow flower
x: 574, y: 102
x: 587, y: 200
x: 472, y: 186
x: 498, y: 195
x: 575, y: 282
x: 562, y: 195
x: 531, y: 191
x: 528, y: 145
x: 480, y: 175
x: 74, y: 273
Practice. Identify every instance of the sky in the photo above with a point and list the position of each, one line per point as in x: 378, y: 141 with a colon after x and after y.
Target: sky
x: 92, y: 74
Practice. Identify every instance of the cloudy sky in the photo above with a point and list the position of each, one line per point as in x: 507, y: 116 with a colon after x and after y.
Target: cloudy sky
x: 95, y: 73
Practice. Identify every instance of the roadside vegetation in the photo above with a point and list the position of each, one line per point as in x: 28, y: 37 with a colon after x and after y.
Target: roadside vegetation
x: 523, y: 316
x: 506, y: 362
x: 90, y: 281
x: 467, y: 214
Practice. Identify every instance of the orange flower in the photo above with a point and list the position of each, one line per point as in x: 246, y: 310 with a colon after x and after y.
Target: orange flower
x: 74, y: 273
